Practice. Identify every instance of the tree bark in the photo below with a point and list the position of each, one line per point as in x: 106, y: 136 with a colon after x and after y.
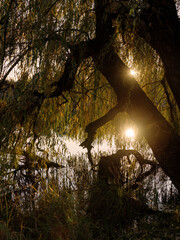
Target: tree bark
x: 161, y: 137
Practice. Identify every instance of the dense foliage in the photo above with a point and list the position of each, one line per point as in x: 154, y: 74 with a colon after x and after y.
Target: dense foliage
x: 37, y: 38
x: 65, y: 72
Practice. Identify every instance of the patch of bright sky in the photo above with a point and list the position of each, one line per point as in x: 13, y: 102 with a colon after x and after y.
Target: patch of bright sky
x: 74, y: 146
x: 105, y: 146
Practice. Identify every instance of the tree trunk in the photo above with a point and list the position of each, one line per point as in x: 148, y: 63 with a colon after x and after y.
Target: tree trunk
x: 160, y: 27
x: 161, y: 137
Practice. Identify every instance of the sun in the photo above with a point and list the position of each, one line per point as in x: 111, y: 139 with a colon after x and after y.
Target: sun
x: 130, y: 133
x: 133, y: 72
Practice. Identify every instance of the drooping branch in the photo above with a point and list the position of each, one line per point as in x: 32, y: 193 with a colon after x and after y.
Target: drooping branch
x: 34, y: 165
x: 5, y: 21
x: 29, y: 167
x: 79, y: 52
x: 29, y: 97
x: 16, y: 62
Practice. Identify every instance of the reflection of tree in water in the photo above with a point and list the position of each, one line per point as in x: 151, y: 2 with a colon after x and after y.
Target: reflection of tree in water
x: 126, y: 169
x: 65, y: 68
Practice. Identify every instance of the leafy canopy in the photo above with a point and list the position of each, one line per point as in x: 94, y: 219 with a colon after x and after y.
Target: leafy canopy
x: 36, y: 40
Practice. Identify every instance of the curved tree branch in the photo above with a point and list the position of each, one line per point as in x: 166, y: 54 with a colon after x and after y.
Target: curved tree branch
x: 92, y: 127
x: 110, y: 167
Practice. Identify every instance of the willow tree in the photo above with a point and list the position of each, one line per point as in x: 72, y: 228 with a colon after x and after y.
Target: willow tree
x: 66, y: 63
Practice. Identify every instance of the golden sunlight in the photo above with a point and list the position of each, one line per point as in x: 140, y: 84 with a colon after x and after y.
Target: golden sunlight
x: 133, y: 72
x: 130, y: 133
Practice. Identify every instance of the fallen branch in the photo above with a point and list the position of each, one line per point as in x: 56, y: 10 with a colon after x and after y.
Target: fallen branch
x: 110, y: 167
x: 142, y: 176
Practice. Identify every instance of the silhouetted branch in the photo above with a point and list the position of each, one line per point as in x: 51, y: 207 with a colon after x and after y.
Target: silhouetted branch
x: 142, y: 176
x: 111, y: 167
x: 36, y: 163
x: 13, y: 66
x: 93, y: 126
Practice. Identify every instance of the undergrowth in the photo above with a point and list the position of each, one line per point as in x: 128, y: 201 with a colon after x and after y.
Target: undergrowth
x: 100, y: 212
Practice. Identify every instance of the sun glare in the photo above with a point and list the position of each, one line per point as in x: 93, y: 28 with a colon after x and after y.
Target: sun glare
x: 130, y: 133
x: 133, y: 72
